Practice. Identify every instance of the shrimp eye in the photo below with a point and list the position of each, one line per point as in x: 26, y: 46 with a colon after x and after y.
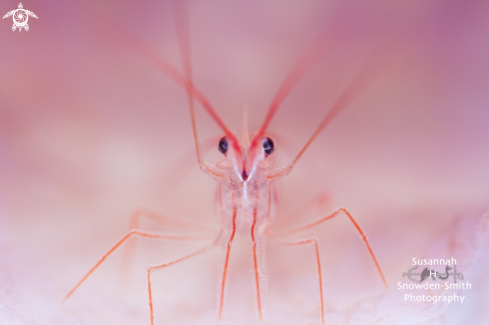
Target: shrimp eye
x: 268, y: 145
x: 222, y: 146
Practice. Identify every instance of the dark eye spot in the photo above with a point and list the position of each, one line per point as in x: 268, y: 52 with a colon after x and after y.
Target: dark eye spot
x: 268, y: 145
x: 223, y: 145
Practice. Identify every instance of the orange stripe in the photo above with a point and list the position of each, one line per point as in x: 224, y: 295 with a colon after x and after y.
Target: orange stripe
x: 320, y: 280
x: 234, y: 220
x: 364, y: 237
x: 132, y: 232
x: 224, y: 272
x: 150, y: 297
x: 257, y: 280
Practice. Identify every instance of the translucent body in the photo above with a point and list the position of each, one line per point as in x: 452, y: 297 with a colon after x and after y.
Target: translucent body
x: 246, y: 205
x: 245, y: 176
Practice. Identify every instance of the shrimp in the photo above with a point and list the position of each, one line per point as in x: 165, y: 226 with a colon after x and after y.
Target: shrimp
x: 245, y: 177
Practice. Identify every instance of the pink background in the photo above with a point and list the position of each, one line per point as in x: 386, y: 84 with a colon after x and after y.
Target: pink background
x: 89, y: 131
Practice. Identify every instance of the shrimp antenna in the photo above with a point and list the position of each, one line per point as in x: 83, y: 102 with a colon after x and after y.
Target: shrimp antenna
x: 311, y: 55
x: 245, y: 136
x: 332, y: 34
x: 183, y: 36
x: 303, y: 64
x: 145, y: 51
x: 362, y: 79
x: 181, y: 10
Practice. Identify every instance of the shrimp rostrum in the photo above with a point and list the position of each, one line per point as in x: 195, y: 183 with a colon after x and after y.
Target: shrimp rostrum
x: 245, y: 176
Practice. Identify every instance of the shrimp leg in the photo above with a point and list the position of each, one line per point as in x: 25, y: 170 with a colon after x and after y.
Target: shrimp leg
x: 224, y: 264
x: 138, y: 213
x: 355, y: 224
x: 136, y: 216
x: 134, y: 232
x: 312, y: 241
x: 156, y: 267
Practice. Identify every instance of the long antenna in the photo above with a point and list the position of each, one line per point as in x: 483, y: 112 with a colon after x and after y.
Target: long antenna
x: 182, y: 27
x: 145, y: 51
x: 359, y: 83
x: 181, y: 11
x: 311, y: 55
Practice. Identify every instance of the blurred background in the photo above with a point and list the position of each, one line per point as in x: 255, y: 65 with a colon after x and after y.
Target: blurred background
x: 89, y: 131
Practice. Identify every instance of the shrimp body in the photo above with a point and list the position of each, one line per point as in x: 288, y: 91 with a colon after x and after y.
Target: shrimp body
x: 250, y: 198
x: 245, y: 200
x: 245, y: 177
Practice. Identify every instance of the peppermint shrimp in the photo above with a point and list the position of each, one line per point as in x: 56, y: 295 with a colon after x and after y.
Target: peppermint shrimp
x: 247, y: 198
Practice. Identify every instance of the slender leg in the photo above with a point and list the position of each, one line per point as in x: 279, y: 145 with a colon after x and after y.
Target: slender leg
x: 169, y: 221
x: 312, y: 241
x: 317, y: 204
x: 259, y: 257
x: 156, y: 267
x: 226, y: 250
x: 133, y: 232
x: 261, y: 281
x: 137, y: 214
x: 355, y: 224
